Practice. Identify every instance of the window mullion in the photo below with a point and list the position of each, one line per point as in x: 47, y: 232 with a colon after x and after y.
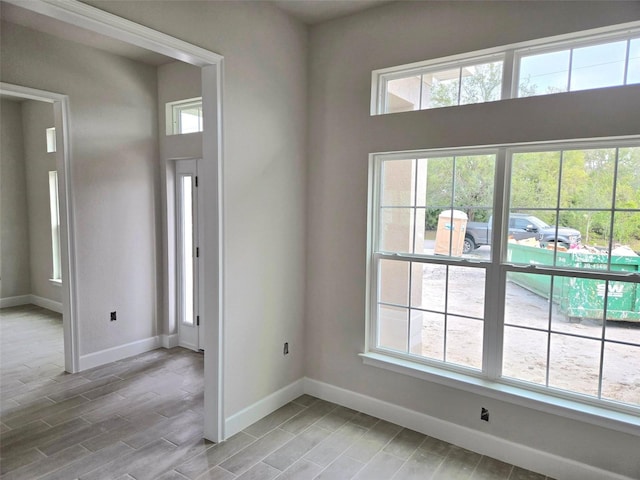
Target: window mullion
x: 495, y: 280
x: 626, y: 62
x: 508, y: 76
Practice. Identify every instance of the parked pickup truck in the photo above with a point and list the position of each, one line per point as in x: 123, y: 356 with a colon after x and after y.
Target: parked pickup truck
x: 521, y: 226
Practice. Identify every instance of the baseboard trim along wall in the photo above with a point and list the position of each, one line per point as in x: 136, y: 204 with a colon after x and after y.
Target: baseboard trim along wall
x: 114, y: 354
x: 46, y: 303
x: 251, y: 414
x: 15, y: 301
x: 480, y: 442
x: 31, y: 300
x: 169, y: 341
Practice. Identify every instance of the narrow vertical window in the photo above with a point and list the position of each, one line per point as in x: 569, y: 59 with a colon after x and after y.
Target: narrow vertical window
x: 51, y: 139
x: 56, y: 271
x: 186, y: 229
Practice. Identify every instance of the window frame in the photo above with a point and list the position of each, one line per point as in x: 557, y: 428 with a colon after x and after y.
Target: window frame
x: 512, y: 54
x: 489, y: 381
x: 173, y: 109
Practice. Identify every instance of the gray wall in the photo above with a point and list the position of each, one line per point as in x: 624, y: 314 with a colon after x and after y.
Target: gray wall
x: 265, y: 120
x: 114, y: 176
x: 36, y: 118
x: 343, y: 53
x: 14, y: 226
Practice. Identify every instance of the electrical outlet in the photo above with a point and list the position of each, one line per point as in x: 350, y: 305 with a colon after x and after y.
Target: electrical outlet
x: 285, y: 350
x: 113, y: 316
x: 484, y: 414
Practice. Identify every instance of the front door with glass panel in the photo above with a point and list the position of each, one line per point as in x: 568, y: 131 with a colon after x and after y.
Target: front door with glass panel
x: 187, y: 254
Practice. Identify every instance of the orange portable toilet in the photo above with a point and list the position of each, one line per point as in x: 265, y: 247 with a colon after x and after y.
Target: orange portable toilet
x: 452, y: 225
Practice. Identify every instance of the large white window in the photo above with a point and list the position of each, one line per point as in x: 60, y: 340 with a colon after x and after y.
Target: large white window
x: 54, y: 206
x: 516, y: 265
x: 584, y: 60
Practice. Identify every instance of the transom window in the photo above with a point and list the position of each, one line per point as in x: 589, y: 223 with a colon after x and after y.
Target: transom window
x: 580, y: 61
x: 540, y: 290
x: 184, y: 116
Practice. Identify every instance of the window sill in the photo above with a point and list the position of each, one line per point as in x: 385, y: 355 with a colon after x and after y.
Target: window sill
x: 56, y: 282
x: 595, y: 415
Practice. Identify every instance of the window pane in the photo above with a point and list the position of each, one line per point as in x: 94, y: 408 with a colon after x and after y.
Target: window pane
x: 544, y: 73
x: 439, y: 185
x: 465, y: 294
x: 393, y: 327
x: 587, y: 178
x: 624, y: 313
x: 525, y: 355
x: 633, y: 69
x: 472, y: 179
x: 534, y: 180
x: 574, y: 364
x: 403, y: 94
x: 398, y: 183
x: 54, y: 209
x: 187, y: 250
x: 621, y: 373
x: 396, y: 229
x: 481, y: 83
x: 431, y: 328
x: 626, y: 239
x: 527, y: 300
x: 186, y: 116
x: 394, y: 282
x: 51, y: 139
x: 432, y: 294
x: 464, y: 341
x: 598, y: 66
x: 628, y: 178
x: 440, y: 89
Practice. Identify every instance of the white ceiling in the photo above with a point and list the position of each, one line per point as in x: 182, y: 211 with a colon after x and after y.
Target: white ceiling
x: 316, y: 11
x: 308, y: 11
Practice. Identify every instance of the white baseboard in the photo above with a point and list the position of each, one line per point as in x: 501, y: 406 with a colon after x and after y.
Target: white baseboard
x: 169, y: 341
x: 15, y: 301
x: 118, y: 353
x: 31, y: 300
x: 46, y: 303
x: 480, y: 442
x: 262, y: 408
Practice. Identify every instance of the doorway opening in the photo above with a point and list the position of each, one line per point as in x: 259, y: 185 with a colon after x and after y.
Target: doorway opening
x: 211, y: 273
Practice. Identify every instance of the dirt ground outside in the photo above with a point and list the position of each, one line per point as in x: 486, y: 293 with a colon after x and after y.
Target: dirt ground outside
x: 573, y: 351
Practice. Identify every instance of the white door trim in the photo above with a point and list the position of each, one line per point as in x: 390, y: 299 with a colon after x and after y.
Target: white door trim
x: 65, y: 197
x: 211, y: 178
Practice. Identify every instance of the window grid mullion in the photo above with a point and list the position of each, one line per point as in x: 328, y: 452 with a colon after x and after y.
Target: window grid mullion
x: 508, y: 75
x: 626, y: 62
x: 549, y: 317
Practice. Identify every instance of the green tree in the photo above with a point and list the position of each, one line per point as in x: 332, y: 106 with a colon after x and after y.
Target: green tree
x: 480, y: 83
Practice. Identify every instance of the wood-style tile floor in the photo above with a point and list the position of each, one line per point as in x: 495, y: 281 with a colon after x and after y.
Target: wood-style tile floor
x: 141, y: 418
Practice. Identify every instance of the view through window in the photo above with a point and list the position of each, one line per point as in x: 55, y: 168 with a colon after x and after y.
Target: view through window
x: 569, y: 322
x: 538, y: 67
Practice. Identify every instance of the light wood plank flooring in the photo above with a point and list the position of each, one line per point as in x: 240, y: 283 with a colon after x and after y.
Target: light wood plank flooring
x: 141, y: 418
